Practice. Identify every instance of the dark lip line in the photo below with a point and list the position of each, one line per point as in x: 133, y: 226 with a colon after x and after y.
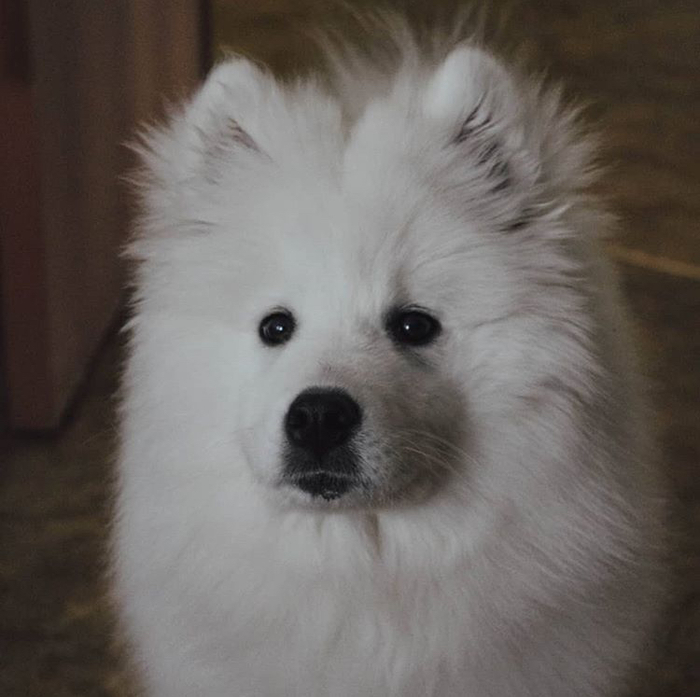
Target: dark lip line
x: 325, y: 473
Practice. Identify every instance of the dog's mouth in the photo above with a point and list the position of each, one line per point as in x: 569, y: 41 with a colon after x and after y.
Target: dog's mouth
x: 325, y: 485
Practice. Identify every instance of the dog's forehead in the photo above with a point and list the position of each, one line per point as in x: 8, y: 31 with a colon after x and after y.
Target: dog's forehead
x: 364, y: 232
x: 361, y: 254
x: 355, y: 255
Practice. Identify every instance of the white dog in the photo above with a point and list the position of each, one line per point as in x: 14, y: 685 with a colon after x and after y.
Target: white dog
x: 381, y: 433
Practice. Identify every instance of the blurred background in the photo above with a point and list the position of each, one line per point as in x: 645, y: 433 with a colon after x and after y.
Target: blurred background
x: 78, y: 76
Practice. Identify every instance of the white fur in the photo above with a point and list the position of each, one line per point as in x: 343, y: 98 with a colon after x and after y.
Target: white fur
x: 508, y: 545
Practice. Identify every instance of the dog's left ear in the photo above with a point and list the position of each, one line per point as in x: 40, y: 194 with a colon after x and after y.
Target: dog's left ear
x: 475, y: 99
x: 469, y: 80
x: 516, y: 129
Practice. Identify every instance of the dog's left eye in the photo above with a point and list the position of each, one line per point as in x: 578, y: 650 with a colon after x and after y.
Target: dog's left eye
x: 412, y: 327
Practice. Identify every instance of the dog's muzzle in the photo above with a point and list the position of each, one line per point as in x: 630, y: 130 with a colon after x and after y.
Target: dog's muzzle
x: 319, y: 427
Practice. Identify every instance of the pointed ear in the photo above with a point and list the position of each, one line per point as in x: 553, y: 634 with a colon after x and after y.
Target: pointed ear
x: 469, y: 85
x: 226, y: 101
x: 475, y: 99
x: 518, y: 130
x: 217, y: 126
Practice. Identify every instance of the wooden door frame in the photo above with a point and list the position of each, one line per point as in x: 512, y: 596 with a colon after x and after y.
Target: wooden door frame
x: 48, y: 334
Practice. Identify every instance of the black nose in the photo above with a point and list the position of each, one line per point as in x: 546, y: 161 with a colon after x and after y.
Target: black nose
x: 321, y: 419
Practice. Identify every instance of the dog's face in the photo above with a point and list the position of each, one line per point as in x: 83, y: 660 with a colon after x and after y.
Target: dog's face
x: 352, y: 395
x: 374, y: 288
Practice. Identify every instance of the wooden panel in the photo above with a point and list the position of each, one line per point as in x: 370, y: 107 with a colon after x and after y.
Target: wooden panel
x: 97, y: 69
x: 24, y: 311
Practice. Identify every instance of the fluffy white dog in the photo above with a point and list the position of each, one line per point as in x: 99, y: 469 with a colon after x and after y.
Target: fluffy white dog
x: 381, y: 433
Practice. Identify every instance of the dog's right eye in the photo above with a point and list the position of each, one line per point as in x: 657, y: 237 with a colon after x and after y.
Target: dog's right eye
x: 277, y: 328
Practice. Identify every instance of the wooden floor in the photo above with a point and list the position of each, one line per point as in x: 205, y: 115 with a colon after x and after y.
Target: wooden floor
x: 639, y: 63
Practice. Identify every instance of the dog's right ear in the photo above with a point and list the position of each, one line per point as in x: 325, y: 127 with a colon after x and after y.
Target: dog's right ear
x: 227, y: 100
x: 218, y: 125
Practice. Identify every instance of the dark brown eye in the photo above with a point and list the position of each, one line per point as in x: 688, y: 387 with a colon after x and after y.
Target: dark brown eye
x: 277, y: 328
x: 412, y: 327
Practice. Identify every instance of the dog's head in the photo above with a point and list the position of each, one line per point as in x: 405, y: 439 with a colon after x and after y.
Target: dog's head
x: 358, y: 308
